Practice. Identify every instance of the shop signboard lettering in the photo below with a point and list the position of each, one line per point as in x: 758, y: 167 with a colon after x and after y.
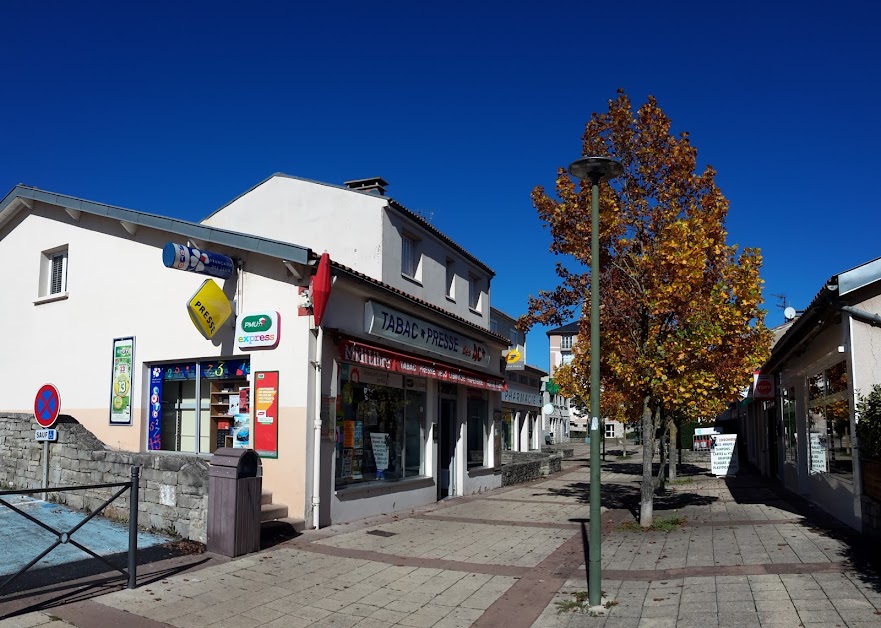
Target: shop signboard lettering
x: 258, y: 330
x: 209, y: 308
x: 381, y: 359
x: 521, y: 396
x: 385, y: 322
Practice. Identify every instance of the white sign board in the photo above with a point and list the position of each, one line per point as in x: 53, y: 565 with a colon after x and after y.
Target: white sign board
x: 258, y: 330
x: 379, y: 442
x: 41, y: 435
x: 723, y: 455
x: 706, y: 431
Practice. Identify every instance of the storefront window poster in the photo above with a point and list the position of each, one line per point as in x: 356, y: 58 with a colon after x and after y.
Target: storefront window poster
x: 346, y: 471
x: 121, y: 381
x: 241, y: 431
x: 154, y: 423
x: 224, y: 369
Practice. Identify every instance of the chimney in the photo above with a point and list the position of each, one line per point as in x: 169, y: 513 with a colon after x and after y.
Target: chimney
x: 374, y: 185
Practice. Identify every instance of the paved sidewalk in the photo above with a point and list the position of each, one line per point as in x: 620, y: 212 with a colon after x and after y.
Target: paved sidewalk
x: 743, y: 555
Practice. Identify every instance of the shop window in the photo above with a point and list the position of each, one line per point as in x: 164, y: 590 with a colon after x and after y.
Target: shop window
x: 53, y: 272
x: 380, y: 422
x: 790, y: 428
x: 409, y: 257
x: 507, y: 426
x: 829, y: 438
x: 451, y: 280
x: 473, y: 292
x: 202, y: 406
x: 478, y: 428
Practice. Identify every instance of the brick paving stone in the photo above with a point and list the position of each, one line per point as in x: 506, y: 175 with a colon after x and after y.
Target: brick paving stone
x: 782, y: 618
x: 739, y: 606
x: 826, y: 617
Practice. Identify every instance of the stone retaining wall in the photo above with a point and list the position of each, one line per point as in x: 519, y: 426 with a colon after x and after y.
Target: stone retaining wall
x: 523, y: 466
x: 173, y: 495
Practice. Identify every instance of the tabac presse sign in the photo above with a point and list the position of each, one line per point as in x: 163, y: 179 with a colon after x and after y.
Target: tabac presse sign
x: 386, y: 322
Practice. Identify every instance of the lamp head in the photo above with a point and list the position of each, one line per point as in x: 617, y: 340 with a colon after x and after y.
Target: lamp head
x: 595, y: 168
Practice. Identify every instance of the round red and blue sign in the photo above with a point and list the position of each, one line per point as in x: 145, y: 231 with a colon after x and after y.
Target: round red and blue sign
x: 47, y: 405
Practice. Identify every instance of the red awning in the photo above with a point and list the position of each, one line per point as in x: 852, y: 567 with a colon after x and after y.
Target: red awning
x: 383, y: 359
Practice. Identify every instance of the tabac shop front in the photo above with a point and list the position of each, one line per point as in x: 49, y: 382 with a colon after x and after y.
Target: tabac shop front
x: 408, y: 429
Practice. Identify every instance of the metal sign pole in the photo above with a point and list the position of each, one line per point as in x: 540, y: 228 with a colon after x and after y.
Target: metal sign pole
x: 45, y: 467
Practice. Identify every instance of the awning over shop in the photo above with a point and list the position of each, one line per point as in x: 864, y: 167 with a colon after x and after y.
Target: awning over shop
x: 380, y: 358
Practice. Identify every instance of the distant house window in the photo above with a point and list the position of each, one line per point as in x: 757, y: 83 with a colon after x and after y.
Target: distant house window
x: 610, y: 430
x: 565, y: 342
x: 451, y: 280
x: 473, y: 292
x: 409, y: 259
x: 566, y: 358
x: 494, y: 326
x: 53, y: 272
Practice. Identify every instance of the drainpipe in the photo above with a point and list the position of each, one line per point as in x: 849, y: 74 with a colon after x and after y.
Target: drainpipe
x: 316, y: 446
x: 866, y: 317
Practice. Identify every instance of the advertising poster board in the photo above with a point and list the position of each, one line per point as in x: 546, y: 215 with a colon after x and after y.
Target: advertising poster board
x: 265, y: 413
x: 154, y: 425
x: 723, y: 455
x: 121, y: 381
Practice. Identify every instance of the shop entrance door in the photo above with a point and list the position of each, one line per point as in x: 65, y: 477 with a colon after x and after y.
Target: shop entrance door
x: 446, y: 484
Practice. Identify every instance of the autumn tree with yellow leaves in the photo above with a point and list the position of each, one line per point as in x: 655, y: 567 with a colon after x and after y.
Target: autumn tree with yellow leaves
x: 681, y: 326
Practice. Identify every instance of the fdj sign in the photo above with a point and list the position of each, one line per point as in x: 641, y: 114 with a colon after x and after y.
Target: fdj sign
x: 260, y: 330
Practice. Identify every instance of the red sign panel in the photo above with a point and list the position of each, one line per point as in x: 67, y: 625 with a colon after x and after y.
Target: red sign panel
x: 375, y: 357
x: 47, y: 405
x: 266, y: 413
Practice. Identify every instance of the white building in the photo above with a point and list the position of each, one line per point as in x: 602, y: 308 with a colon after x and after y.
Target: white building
x: 523, y: 427
x: 803, y: 428
x: 387, y: 405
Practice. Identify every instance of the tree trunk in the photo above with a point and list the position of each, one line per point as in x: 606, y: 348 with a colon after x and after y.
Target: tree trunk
x: 662, y: 454
x: 624, y: 443
x: 674, y: 450
x: 647, y: 492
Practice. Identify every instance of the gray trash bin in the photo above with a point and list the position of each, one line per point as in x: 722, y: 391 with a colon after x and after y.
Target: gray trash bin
x: 235, y: 485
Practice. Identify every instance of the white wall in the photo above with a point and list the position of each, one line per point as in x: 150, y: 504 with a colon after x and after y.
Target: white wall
x: 430, y: 284
x: 118, y: 287
x: 345, y: 223
x: 357, y: 229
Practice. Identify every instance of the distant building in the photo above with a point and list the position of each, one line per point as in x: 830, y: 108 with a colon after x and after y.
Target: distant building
x: 562, y: 342
x: 522, y: 428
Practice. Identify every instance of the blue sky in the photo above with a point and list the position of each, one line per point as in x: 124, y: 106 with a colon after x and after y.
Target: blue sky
x: 175, y: 108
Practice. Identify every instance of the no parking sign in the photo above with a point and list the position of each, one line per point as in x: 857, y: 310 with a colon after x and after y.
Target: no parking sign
x: 47, y: 405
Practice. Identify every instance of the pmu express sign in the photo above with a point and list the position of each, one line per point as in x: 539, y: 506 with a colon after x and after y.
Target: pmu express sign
x: 259, y: 330
x: 209, y: 308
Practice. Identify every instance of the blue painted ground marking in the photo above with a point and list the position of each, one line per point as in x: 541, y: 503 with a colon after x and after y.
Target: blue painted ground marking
x: 23, y: 540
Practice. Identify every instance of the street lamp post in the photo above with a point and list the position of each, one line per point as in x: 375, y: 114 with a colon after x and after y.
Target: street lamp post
x: 594, y: 169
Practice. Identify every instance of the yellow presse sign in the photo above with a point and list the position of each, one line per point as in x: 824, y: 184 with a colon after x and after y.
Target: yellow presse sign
x: 209, y: 308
